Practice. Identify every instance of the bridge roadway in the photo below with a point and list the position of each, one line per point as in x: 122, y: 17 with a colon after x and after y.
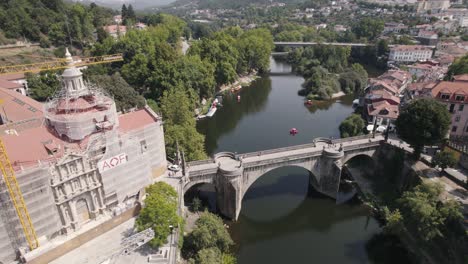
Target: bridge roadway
x: 205, y: 166
x: 305, y: 44
x: 232, y: 174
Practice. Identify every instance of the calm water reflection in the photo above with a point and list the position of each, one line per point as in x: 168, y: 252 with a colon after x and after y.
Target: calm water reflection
x: 282, y: 219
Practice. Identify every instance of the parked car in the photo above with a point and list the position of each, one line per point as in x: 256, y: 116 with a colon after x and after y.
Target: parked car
x: 174, y: 167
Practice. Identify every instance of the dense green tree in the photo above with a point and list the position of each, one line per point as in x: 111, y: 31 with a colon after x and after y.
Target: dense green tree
x: 229, y: 259
x: 177, y: 108
x: 131, y: 13
x: 394, y: 221
x: 444, y: 159
x: 153, y: 105
x: 196, y: 204
x: 208, y: 233
x: 352, y: 126
x: 124, y: 12
x: 382, y: 47
x: 43, y: 85
x: 255, y: 47
x: 208, y: 256
x: 459, y: 66
x: 159, y: 212
x: 124, y: 95
x: 352, y: 81
x: 423, y: 212
x: 320, y: 83
x: 368, y: 28
x: 423, y: 122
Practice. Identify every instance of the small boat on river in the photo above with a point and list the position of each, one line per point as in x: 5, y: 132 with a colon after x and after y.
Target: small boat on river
x: 293, y: 131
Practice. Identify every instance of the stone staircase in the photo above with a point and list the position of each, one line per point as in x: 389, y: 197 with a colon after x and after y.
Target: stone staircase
x: 162, y: 257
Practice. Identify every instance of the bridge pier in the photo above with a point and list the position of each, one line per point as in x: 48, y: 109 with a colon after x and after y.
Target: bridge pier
x: 229, y: 184
x: 328, y: 170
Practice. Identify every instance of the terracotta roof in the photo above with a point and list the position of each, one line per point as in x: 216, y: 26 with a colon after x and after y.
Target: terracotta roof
x: 28, y: 147
x: 382, y: 95
x: 420, y: 86
x: 9, y: 85
x: 461, y: 78
x: 114, y: 28
x: 451, y: 88
x: 383, y: 109
x: 18, y: 107
x: 376, y: 84
x: 135, y: 120
x: 35, y: 144
x: 12, y: 76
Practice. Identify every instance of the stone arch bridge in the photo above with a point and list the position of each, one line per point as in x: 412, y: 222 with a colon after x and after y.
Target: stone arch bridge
x: 233, y: 174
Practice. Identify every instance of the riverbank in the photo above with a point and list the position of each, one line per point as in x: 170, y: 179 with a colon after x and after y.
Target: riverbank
x: 241, y: 81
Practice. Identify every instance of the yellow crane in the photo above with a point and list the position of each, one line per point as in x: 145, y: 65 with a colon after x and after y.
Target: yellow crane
x: 59, y: 64
x: 17, y: 198
x: 5, y: 164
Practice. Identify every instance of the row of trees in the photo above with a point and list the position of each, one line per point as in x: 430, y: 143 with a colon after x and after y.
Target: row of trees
x: 327, y: 70
x: 437, y: 226
x: 52, y: 21
x: 209, y: 242
x: 364, y: 30
x: 154, y: 66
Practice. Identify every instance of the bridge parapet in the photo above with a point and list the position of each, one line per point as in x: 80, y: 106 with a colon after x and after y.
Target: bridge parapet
x: 277, y: 150
x: 350, y: 139
x: 263, y: 162
x: 200, y: 162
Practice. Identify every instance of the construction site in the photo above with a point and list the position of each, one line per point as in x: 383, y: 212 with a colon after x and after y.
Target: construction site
x: 69, y: 162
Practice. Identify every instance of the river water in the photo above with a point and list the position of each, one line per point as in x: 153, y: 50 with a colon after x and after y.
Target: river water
x: 282, y: 219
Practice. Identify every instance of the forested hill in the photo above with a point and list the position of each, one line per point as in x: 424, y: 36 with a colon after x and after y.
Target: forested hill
x: 238, y: 3
x: 50, y: 21
x: 117, y: 4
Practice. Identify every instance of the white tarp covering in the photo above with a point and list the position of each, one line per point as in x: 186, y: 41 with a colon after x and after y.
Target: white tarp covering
x: 112, y: 162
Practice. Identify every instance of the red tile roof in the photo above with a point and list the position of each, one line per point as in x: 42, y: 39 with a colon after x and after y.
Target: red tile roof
x: 13, y: 76
x: 114, y: 29
x: 17, y: 107
x: 383, y: 109
x: 28, y: 147
x: 451, y: 88
x: 461, y: 78
x: 135, y: 120
x: 9, y: 84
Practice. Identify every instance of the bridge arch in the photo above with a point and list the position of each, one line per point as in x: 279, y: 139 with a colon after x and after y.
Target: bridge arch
x: 370, y: 153
x: 205, y: 191
x: 252, y: 174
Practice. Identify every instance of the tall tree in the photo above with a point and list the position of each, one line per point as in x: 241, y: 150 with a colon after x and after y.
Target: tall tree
x: 368, y: 28
x: 124, y: 95
x: 131, y: 13
x: 43, y: 85
x: 352, y: 126
x: 209, y: 233
x: 423, y: 122
x: 124, y: 12
x: 177, y: 108
x: 159, y: 212
x: 459, y: 66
